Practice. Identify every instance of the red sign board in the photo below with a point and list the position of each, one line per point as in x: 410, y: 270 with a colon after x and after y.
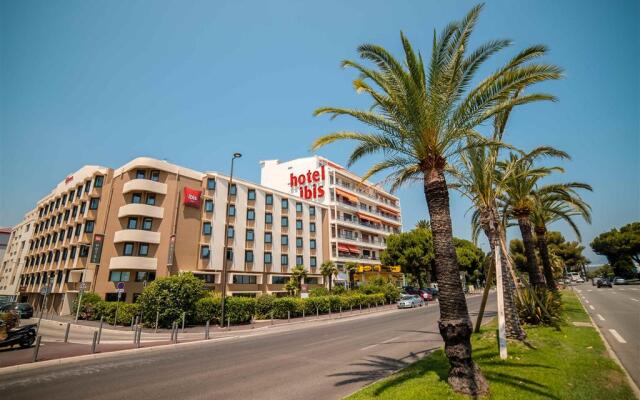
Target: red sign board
x: 310, y: 183
x: 192, y: 197
x: 68, y: 179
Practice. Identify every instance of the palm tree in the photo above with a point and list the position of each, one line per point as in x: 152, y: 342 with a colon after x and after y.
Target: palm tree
x: 351, y: 268
x: 521, y: 177
x: 423, y: 224
x: 299, y: 273
x: 329, y: 269
x: 558, y: 202
x: 422, y: 117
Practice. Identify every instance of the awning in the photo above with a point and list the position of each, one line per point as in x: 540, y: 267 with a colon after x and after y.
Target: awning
x: 353, y: 249
x: 344, y: 248
x: 388, y: 210
x: 368, y: 218
x: 349, y: 196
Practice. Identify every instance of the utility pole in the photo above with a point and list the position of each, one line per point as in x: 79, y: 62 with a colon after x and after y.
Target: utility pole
x: 226, y: 238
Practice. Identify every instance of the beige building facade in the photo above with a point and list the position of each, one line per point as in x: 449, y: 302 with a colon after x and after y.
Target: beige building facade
x: 15, y: 256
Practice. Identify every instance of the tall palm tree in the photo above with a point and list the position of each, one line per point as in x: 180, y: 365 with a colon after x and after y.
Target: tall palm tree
x: 351, y: 268
x: 559, y: 202
x: 328, y: 269
x: 422, y: 116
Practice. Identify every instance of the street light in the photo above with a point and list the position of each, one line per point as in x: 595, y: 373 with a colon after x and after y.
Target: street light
x: 226, y: 238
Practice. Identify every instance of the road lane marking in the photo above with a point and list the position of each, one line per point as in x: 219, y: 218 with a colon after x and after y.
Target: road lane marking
x: 592, y: 307
x: 634, y: 299
x: 590, y: 290
x: 392, y: 340
x: 600, y: 317
x: 369, y: 347
x: 617, y: 336
x: 586, y: 301
x: 578, y: 290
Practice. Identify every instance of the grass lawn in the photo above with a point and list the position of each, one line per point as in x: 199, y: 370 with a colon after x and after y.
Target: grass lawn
x: 568, y: 364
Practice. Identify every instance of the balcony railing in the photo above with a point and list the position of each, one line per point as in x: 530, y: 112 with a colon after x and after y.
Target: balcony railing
x: 369, y: 225
x: 366, y: 210
x: 361, y: 240
x: 364, y: 193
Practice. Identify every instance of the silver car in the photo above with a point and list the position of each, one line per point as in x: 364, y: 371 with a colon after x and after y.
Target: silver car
x: 410, y: 301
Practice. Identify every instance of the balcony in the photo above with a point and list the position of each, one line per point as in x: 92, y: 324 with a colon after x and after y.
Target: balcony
x: 133, y: 263
x: 355, y: 223
x: 350, y: 206
x: 144, y: 185
x: 136, y: 235
x: 360, y: 241
x: 143, y: 210
x: 360, y: 259
x: 360, y: 192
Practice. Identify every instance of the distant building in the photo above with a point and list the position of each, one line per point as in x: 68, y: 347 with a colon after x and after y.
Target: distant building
x: 15, y: 251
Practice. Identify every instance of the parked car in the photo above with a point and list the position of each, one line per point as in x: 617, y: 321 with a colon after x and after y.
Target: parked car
x: 410, y: 301
x: 580, y: 279
x: 603, y: 282
x: 432, y: 291
x: 618, y: 280
x: 24, y: 310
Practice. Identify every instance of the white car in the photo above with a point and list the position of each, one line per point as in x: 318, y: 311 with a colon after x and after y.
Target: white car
x: 410, y: 301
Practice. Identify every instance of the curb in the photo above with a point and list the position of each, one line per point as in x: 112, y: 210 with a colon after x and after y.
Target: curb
x: 612, y: 354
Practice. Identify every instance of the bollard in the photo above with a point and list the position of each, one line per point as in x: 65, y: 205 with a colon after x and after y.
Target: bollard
x: 66, y: 332
x: 95, y: 342
x: 173, y: 326
x: 100, y: 329
x: 132, y: 319
x: 184, y: 315
x: 206, y: 331
x: 228, y: 322
x: 253, y: 321
x: 137, y: 321
x: 317, y: 313
x: 330, y: 311
x: 36, y: 349
x: 369, y: 306
x: 139, y: 337
x: 351, y: 309
x: 340, y: 311
x: 157, y: 318
x: 271, y: 317
x: 303, y: 318
x: 175, y: 338
x: 288, y: 316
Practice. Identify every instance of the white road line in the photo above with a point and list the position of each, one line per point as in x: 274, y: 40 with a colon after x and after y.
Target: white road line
x: 590, y: 290
x: 600, y: 317
x: 634, y: 288
x: 634, y: 299
x: 591, y: 307
x: 621, y: 289
x: 578, y: 290
x: 369, y: 347
x: 617, y: 336
x: 391, y: 340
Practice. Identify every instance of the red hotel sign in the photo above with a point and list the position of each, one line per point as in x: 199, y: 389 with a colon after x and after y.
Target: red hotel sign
x: 68, y: 179
x: 192, y: 197
x: 310, y: 184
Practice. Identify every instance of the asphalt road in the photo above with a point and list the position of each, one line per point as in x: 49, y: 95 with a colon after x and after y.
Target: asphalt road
x: 323, y: 360
x: 616, y: 311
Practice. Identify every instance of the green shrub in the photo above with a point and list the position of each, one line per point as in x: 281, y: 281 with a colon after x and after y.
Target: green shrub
x: 316, y: 304
x: 284, y: 305
x: 87, y: 306
x: 126, y: 311
x: 318, y: 291
x: 264, y: 304
x: 208, y: 309
x: 240, y: 310
x: 338, y: 289
x: 545, y: 310
x: 171, y: 296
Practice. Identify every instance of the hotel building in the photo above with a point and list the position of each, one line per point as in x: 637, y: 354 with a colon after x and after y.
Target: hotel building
x: 150, y: 219
x: 16, y: 241
x: 361, y: 215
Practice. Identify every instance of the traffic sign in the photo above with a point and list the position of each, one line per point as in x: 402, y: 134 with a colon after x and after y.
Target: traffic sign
x: 83, y: 286
x: 120, y: 286
x: 45, y: 290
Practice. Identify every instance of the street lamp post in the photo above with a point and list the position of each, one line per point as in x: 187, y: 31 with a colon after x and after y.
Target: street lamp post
x: 226, y: 238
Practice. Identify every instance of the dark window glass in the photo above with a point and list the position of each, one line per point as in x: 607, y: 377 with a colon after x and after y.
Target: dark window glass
x: 119, y: 276
x: 143, y: 249
x: 268, y: 199
x: 245, y: 279
x: 84, y: 251
x: 313, y: 261
x: 206, y: 228
x: 155, y: 176
x: 233, y: 190
x: 232, y: 210
x: 268, y: 237
x: 114, y: 297
x: 312, y: 210
x: 140, y: 174
x: 268, y: 218
x: 204, y: 251
x: 285, y: 204
x: 128, y: 249
x: 284, y: 259
x: 279, y: 280
x: 208, y: 205
x: 312, y: 244
x: 299, y: 242
x: 230, y: 232
x: 250, y: 235
x: 147, y: 224
x: 284, y: 222
x: 72, y: 253
x: 298, y: 207
x: 299, y: 260
x: 251, y: 214
x: 151, y: 199
x: 298, y: 224
x: 98, y: 181
x: 207, y: 278
x: 132, y: 223
x: 88, y: 226
x: 284, y: 240
x: 142, y: 276
x: 312, y: 226
x: 229, y: 254
x: 251, y: 194
x: 87, y: 186
x: 248, y: 256
x: 136, y: 198
x: 83, y: 206
x: 311, y: 280
x: 211, y: 184
x: 74, y: 211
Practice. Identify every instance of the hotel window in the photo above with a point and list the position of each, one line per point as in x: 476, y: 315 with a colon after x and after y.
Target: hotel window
x: 84, y: 251
x: 74, y: 211
x: 56, y: 256
x: 284, y: 259
x: 311, y: 281
x: 140, y: 174
x: 54, y: 238
x: 211, y: 184
x: 69, y: 232
x: 251, y: 194
x: 57, y: 203
x: 207, y: 278
x: 312, y: 244
x: 268, y: 218
x: 251, y: 214
x: 119, y: 276
x: 312, y: 210
x: 145, y: 276
x: 83, y: 206
x: 98, y: 181
x: 93, y: 203
x: 284, y: 222
x: 204, y: 251
x: 143, y: 249
x: 128, y: 249
x: 233, y: 190
x: 298, y: 207
x: 87, y: 186
x: 268, y: 237
x: 206, y: 228
x: 245, y: 279
x: 298, y: 224
x: 88, y: 226
x: 299, y: 242
x: 66, y: 216
x: 155, y: 176
x: 65, y: 252
x: 151, y: 199
x: 78, y: 229
x: 299, y: 260
x: 267, y: 258
x: 248, y: 256
x: 136, y: 198
x: 59, y: 219
x: 72, y: 253
x: 147, y: 224
x: 79, y: 192
x: 208, y: 205
x: 229, y: 254
x: 230, y: 232
x: 285, y: 204
x: 132, y: 223
x: 268, y: 199
x: 48, y: 239
x: 111, y: 297
x: 313, y: 261
x: 250, y: 235
x: 284, y: 240
x: 231, y: 210
x: 278, y: 280
x: 64, y: 199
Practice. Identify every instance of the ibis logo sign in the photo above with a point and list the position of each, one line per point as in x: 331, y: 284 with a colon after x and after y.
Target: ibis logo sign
x: 192, y: 197
x: 310, y: 184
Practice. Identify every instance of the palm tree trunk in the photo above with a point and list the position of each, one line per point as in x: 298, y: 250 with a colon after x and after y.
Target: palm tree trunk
x: 455, y: 325
x: 535, y: 275
x: 330, y: 281
x: 513, y: 326
x: 544, y: 255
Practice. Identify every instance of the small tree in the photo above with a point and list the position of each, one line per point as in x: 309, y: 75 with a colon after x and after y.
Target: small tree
x: 299, y: 273
x: 328, y: 270
x: 351, y: 268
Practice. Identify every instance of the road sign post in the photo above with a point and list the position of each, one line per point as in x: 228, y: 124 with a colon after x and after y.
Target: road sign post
x: 119, y: 291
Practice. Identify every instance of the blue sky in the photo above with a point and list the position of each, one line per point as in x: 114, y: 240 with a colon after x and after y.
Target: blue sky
x: 103, y: 82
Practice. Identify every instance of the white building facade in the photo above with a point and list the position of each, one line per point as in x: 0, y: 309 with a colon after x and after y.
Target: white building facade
x: 15, y: 256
